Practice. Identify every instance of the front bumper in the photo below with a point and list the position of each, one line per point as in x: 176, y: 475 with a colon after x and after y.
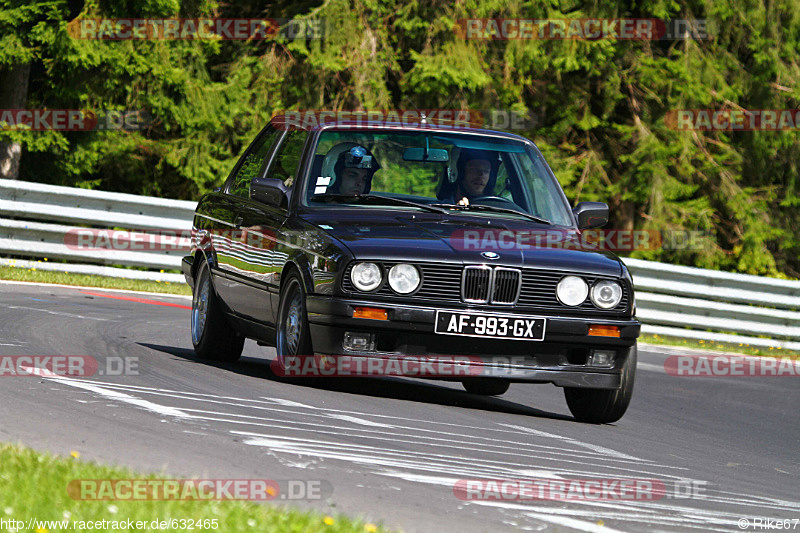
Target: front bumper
x: 561, y: 358
x: 186, y: 267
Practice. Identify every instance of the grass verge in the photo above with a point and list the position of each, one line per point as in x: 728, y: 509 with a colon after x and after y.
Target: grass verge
x: 734, y: 348
x: 87, y: 280
x: 34, y: 486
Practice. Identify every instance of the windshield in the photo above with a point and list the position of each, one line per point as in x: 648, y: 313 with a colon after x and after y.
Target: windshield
x: 493, y: 177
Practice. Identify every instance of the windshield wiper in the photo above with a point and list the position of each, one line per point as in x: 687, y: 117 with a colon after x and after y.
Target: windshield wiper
x: 371, y: 199
x: 481, y: 207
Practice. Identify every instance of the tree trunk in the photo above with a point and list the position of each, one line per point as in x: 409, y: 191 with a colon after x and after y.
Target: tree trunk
x: 13, y: 95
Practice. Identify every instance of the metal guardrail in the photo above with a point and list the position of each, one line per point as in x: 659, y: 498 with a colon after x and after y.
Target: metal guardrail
x: 39, y: 230
x: 36, y: 239
x: 37, y: 201
x: 712, y: 304
x: 671, y: 300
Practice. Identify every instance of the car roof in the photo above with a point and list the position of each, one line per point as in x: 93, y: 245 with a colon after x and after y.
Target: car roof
x: 440, y: 126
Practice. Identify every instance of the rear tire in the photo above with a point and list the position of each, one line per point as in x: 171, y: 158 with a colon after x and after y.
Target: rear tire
x: 212, y: 335
x: 598, y: 406
x: 486, y: 387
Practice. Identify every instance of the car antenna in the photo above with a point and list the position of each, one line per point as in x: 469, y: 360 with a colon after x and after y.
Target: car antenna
x: 423, y: 116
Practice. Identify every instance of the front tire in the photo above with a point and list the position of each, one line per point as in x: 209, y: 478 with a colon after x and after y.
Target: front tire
x: 604, y: 406
x: 293, y: 334
x: 486, y: 387
x: 212, y: 336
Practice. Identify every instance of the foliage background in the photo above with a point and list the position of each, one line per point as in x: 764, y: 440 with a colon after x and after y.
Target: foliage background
x: 600, y: 104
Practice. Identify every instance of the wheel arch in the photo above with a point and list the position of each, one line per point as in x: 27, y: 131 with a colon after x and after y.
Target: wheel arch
x: 300, y: 264
x: 201, y: 256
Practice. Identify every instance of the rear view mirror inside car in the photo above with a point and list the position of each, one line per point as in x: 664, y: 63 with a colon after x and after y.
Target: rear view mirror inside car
x: 438, y: 155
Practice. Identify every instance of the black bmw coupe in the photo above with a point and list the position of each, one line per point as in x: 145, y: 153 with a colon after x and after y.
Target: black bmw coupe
x: 384, y: 242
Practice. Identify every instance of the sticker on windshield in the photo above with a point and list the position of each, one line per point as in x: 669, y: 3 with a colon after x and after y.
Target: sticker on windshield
x: 322, y: 184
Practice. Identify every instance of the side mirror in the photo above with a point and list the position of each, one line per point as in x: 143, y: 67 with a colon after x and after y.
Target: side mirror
x: 270, y: 191
x: 591, y: 214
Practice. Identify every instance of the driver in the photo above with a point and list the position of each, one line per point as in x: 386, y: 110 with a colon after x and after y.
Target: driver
x: 476, y: 174
x: 354, y: 169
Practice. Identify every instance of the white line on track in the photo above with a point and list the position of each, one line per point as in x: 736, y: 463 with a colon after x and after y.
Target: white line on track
x: 126, y: 398
x: 302, y: 445
x: 438, y: 457
x: 267, y: 404
x: 599, y: 449
x: 422, y: 467
x: 363, y: 422
x: 544, y: 451
x: 59, y: 313
x: 650, y: 367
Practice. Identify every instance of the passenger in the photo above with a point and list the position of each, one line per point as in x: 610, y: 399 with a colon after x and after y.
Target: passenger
x: 477, y: 175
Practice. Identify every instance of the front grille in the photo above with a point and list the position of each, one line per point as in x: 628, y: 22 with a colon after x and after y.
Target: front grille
x: 442, y: 283
x: 475, y: 284
x: 506, y: 286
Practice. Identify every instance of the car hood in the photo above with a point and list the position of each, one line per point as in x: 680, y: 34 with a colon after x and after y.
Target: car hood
x: 389, y: 235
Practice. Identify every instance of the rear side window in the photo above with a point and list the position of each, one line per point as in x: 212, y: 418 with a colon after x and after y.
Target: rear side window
x: 253, y: 164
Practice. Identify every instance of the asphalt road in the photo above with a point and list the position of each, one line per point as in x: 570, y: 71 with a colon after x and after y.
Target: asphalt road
x: 392, y: 448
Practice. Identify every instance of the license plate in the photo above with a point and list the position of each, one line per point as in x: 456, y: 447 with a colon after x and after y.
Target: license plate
x: 495, y: 326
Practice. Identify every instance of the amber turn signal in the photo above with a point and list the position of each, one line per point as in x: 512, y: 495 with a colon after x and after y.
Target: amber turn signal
x: 604, y: 331
x: 374, y: 313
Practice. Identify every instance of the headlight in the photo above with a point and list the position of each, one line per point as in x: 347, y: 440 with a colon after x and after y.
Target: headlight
x: 606, y: 294
x: 404, y: 278
x: 366, y: 276
x: 572, y: 290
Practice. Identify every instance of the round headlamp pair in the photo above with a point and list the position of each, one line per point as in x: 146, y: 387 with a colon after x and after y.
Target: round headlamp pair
x: 403, y: 278
x: 573, y: 290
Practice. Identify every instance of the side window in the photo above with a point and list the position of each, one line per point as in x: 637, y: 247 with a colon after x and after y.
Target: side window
x: 541, y: 203
x: 502, y: 187
x: 253, y: 163
x: 287, y: 159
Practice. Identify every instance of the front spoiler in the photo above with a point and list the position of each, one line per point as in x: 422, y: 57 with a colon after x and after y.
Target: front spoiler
x: 561, y: 358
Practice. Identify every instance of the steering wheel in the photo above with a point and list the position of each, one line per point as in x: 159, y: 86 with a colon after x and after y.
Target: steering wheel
x: 506, y: 200
x: 494, y: 199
